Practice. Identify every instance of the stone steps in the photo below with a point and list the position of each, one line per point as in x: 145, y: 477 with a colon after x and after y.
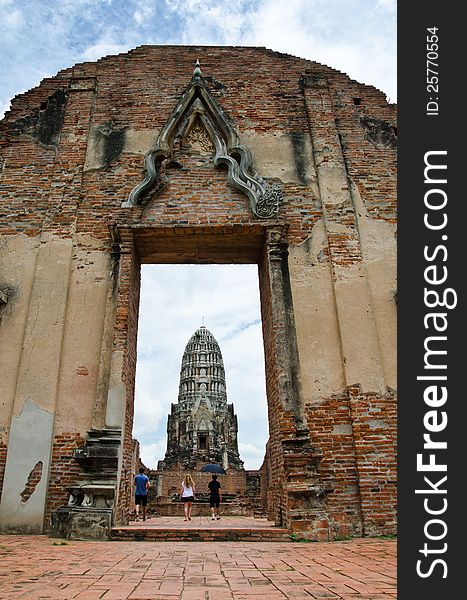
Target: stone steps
x: 199, y: 509
x: 199, y: 534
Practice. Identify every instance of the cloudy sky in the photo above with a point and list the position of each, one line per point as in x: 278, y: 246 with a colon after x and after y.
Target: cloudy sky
x: 40, y: 37
x: 174, y: 301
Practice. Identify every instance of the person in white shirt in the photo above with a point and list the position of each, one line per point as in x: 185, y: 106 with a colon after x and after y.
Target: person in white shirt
x: 187, y: 496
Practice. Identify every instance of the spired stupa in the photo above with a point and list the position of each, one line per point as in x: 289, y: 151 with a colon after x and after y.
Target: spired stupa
x: 202, y: 428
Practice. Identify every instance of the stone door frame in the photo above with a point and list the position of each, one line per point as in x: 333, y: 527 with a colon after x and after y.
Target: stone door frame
x: 295, y: 497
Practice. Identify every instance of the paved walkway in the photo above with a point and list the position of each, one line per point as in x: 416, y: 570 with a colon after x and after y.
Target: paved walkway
x: 38, y: 567
x: 197, y: 522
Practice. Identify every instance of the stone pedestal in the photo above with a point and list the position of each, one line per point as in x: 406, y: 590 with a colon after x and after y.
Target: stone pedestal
x: 99, y: 455
x: 81, y: 523
x: 89, y: 514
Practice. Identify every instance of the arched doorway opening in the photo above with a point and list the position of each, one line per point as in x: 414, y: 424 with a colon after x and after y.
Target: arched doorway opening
x: 290, y: 485
x: 200, y: 396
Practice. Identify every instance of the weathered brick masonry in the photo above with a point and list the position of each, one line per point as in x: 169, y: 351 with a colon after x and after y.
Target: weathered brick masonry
x: 72, y: 150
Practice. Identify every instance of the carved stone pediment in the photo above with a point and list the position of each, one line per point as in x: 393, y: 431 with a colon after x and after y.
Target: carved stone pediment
x: 200, y: 122
x: 198, y: 140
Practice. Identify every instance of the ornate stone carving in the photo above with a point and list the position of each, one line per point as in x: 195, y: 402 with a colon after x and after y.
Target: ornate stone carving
x: 197, y: 110
x: 88, y: 514
x: 88, y: 500
x: 198, y: 139
x: 269, y: 202
x: 93, y: 494
x: 76, y: 497
x: 5, y: 294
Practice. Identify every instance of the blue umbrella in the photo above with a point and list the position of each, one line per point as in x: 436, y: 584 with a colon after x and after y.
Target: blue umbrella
x: 212, y: 468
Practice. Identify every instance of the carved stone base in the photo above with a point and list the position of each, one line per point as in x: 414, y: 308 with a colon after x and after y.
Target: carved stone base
x: 92, y: 495
x: 89, y: 514
x: 81, y: 523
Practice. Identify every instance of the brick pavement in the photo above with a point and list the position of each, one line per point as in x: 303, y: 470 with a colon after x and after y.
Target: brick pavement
x: 38, y: 567
x: 230, y: 522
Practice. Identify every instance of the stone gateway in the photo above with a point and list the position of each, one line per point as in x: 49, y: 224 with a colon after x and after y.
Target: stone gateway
x: 247, y: 156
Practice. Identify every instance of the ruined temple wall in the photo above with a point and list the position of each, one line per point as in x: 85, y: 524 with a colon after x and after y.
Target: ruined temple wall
x: 348, y: 353
x: 72, y: 150
x: 55, y: 310
x: 78, y: 405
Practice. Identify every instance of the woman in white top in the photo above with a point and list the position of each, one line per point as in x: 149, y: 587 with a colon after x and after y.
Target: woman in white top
x: 187, y: 495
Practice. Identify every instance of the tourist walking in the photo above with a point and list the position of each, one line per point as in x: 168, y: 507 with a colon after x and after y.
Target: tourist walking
x: 141, y: 493
x: 215, y: 497
x: 187, y: 496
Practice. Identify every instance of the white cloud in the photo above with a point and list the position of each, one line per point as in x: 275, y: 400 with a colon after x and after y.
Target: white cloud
x: 252, y: 455
x: 14, y: 19
x: 352, y: 43
x: 139, y: 17
x: 150, y: 451
x: 389, y: 5
x: 354, y: 36
x: 102, y: 49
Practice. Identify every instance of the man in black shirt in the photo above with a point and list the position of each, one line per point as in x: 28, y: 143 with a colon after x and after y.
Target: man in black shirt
x: 215, y: 497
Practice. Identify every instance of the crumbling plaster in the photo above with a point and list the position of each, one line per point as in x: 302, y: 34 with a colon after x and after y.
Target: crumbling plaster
x: 78, y: 349
x: 378, y: 245
x: 83, y: 335
x: 14, y: 251
x: 116, y: 399
x: 30, y: 442
x: 316, y: 317
x: 275, y: 155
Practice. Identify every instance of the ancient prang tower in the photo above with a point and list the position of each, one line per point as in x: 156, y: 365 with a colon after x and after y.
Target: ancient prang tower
x: 202, y: 428
x: 249, y: 156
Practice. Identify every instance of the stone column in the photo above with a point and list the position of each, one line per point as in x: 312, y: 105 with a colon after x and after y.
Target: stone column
x: 298, y: 497
x: 120, y: 399
x: 285, y: 338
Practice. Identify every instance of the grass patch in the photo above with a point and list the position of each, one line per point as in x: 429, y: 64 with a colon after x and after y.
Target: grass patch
x: 295, y: 538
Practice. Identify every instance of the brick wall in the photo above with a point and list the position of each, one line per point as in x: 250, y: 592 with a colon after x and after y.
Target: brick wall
x: 3, y: 453
x: 270, y: 82
x: 331, y: 429
x: 375, y: 434
x: 64, y: 472
x: 253, y: 483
